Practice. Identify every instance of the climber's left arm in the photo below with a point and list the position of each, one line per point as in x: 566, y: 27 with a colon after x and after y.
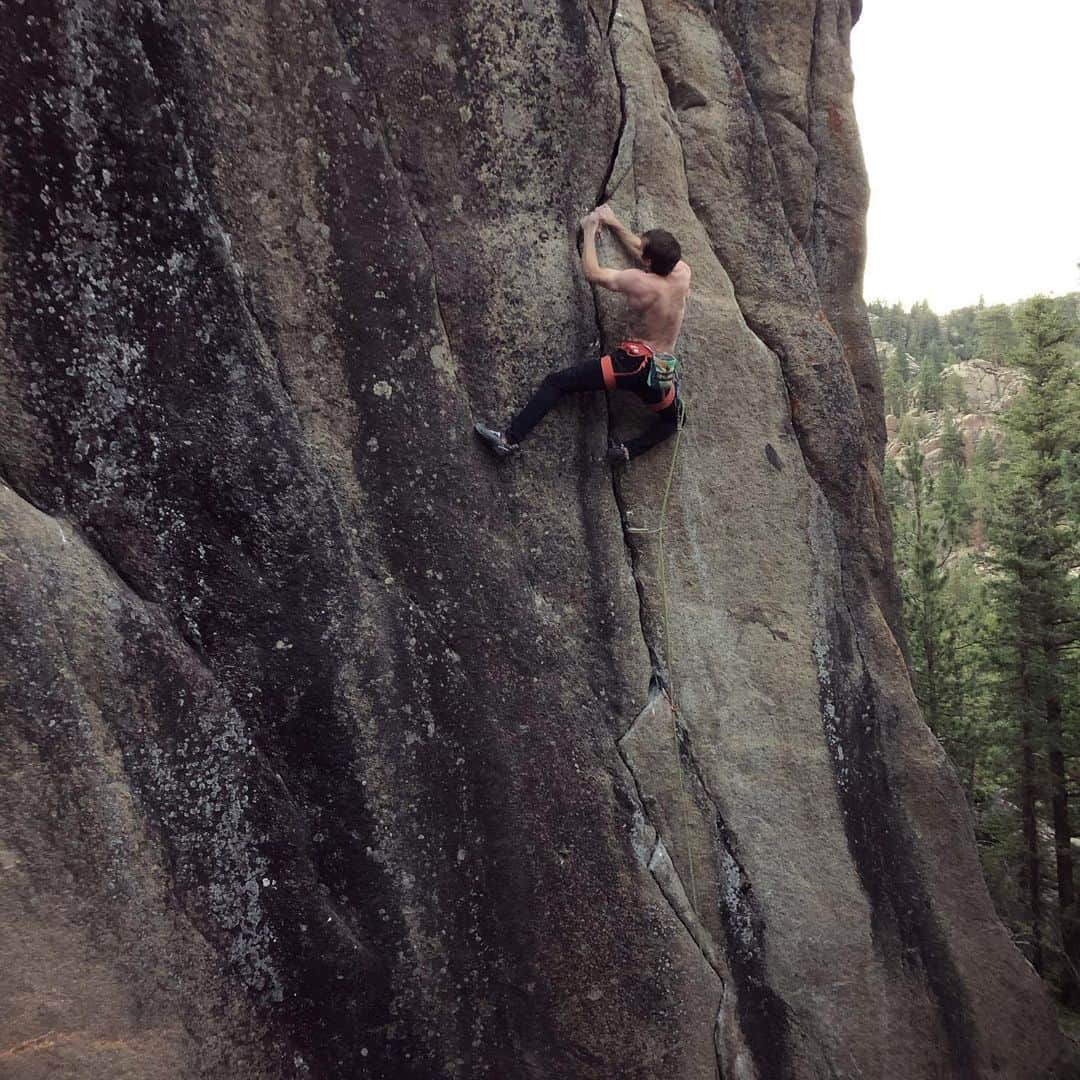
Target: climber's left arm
x: 632, y: 282
x: 616, y: 280
x: 590, y: 264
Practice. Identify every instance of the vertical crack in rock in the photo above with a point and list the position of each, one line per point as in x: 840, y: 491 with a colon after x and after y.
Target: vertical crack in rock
x: 660, y: 865
x: 659, y: 673
x: 622, y: 154
x: 750, y: 1015
x: 596, y: 20
x: 768, y: 1026
x: 648, y: 842
x: 658, y: 862
x: 811, y: 106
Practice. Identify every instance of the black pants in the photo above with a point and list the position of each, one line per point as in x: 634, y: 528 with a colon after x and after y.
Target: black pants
x: 589, y: 376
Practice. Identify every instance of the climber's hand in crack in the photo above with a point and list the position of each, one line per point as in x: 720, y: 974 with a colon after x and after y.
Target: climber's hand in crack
x: 605, y: 215
x: 591, y: 226
x: 627, y: 238
x: 644, y: 364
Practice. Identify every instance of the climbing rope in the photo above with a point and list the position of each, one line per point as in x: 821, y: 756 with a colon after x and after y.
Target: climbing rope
x: 669, y: 658
x: 669, y: 689
x: 668, y: 683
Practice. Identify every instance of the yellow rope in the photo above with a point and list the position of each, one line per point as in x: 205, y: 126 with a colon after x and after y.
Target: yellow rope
x: 669, y: 658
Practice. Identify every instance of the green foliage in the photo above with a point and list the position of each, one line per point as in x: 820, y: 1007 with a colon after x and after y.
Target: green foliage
x: 931, y: 387
x: 924, y: 329
x: 954, y: 498
x: 952, y: 442
x: 961, y: 331
x: 913, y: 427
x: 892, y: 480
x: 996, y: 337
x: 954, y: 395
x: 894, y: 384
x: 988, y: 551
x: 985, y: 451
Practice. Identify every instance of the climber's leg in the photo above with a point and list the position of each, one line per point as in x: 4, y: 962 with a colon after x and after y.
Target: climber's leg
x: 572, y: 380
x: 663, y: 427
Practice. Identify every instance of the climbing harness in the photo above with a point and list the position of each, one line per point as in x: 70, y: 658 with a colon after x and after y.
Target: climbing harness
x: 660, y: 368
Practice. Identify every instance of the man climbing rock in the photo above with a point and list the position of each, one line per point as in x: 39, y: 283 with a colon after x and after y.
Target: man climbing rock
x: 645, y: 364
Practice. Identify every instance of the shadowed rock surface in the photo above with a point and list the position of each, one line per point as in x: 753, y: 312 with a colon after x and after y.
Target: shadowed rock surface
x: 333, y: 748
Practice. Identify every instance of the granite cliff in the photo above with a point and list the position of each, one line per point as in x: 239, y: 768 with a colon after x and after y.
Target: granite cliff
x: 333, y: 748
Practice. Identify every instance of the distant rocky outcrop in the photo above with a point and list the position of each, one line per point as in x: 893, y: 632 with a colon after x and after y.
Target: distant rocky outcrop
x: 988, y: 388
x: 333, y: 748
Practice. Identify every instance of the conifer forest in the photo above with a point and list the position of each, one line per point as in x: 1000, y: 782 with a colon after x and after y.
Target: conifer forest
x: 983, y: 478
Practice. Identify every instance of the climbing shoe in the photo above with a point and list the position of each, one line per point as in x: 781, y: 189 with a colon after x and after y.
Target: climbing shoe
x: 617, y: 454
x: 496, y: 440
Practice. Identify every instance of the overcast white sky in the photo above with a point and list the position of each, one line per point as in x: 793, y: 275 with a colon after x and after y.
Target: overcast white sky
x: 970, y: 118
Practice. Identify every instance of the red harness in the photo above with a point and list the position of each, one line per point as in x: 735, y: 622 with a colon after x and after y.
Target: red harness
x: 634, y: 348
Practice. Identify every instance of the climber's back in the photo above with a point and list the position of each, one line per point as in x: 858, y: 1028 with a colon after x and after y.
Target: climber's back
x: 658, y: 304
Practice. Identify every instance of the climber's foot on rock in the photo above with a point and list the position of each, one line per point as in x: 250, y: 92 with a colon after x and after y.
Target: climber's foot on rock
x: 496, y: 440
x: 617, y: 454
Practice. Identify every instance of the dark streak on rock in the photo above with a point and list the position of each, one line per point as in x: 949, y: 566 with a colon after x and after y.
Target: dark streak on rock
x: 906, y: 929
x: 764, y: 1016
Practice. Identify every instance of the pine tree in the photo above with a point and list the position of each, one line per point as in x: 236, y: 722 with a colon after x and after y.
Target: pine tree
x: 1035, y: 549
x: 925, y: 329
x: 954, y: 394
x: 892, y: 481
x: 997, y: 337
x: 985, y: 451
x: 894, y: 384
x: 953, y: 497
x: 922, y: 586
x: 980, y: 483
x: 952, y: 442
x: 931, y: 388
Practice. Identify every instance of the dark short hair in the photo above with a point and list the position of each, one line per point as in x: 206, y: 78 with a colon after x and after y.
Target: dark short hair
x: 662, y: 250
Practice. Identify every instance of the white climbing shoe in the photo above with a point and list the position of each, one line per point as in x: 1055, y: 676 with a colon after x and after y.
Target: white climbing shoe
x: 496, y: 440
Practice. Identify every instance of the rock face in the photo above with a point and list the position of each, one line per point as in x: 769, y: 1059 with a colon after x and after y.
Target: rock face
x: 333, y: 748
x: 989, y: 387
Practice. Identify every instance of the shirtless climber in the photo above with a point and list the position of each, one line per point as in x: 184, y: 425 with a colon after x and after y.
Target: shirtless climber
x: 643, y: 365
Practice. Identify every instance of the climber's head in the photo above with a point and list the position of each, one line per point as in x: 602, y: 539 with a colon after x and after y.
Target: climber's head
x: 660, y: 251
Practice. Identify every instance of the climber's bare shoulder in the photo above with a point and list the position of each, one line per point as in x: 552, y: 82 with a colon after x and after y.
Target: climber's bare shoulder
x: 679, y: 278
x: 633, y: 283
x: 643, y: 285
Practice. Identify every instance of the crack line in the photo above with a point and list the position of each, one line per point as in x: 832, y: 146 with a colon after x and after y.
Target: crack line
x: 685, y: 914
x: 610, y: 186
